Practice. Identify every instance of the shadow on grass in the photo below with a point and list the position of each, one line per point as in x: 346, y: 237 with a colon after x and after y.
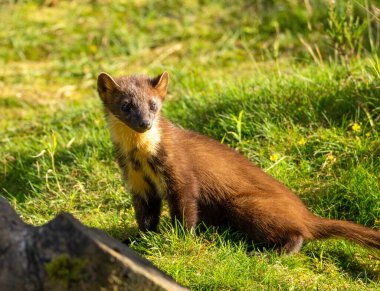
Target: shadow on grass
x: 128, y: 234
x: 324, y: 105
x: 357, y: 270
x: 25, y: 175
x: 359, y: 266
x: 21, y: 178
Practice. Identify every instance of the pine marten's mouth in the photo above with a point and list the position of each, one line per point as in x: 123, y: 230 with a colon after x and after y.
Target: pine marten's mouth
x: 141, y: 127
x: 142, y: 130
x: 138, y: 129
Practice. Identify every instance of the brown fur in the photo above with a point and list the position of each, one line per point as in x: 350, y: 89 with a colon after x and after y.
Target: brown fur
x: 203, y: 180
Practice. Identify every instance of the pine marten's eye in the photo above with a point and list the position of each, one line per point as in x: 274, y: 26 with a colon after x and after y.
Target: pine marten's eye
x: 153, y: 106
x: 126, y: 107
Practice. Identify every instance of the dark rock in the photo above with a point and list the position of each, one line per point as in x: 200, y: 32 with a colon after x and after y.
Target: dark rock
x: 66, y: 255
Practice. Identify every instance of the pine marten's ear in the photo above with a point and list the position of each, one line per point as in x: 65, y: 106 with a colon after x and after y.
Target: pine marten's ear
x: 160, y: 83
x: 106, y: 84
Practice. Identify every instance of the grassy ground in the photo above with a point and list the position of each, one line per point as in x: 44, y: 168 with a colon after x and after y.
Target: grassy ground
x: 293, y: 85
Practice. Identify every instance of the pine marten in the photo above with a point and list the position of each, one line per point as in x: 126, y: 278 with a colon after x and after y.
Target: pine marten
x: 203, y: 180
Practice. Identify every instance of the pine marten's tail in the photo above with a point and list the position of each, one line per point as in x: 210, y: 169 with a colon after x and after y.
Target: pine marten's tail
x: 324, y: 228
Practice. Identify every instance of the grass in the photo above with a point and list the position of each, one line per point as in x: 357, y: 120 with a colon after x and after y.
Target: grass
x: 281, y: 81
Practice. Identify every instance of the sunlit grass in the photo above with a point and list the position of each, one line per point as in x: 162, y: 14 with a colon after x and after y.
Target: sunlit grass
x: 245, y: 74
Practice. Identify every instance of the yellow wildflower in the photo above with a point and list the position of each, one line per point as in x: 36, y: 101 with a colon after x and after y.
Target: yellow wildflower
x: 302, y: 142
x: 356, y: 127
x: 331, y: 157
x: 93, y: 48
x: 274, y: 157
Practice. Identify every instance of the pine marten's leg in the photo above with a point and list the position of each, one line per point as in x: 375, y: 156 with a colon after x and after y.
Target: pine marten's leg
x: 147, y: 212
x: 292, y: 245
x: 183, y: 204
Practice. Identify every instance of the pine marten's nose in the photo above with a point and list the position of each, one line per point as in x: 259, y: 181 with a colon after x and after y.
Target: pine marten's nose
x: 145, y: 124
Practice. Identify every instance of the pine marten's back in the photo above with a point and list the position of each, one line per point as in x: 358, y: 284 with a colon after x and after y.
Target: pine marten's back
x: 216, y: 164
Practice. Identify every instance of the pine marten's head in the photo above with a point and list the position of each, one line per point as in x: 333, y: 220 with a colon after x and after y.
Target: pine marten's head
x: 134, y: 100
